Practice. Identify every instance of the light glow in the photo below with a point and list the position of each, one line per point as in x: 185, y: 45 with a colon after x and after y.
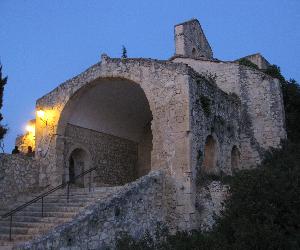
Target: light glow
x: 30, y: 129
x: 40, y: 113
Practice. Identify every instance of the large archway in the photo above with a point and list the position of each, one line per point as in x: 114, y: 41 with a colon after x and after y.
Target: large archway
x: 112, y: 119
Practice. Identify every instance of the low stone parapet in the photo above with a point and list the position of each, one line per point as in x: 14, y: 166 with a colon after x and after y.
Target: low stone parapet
x: 18, y: 175
x: 135, y: 209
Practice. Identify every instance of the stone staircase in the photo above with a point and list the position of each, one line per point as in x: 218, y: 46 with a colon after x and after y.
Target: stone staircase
x: 29, y: 223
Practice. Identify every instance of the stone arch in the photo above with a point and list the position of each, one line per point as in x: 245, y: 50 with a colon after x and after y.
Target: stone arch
x: 81, y: 90
x: 78, y: 161
x: 235, y: 158
x: 117, y: 111
x: 209, y: 164
x: 87, y: 161
x: 193, y: 52
x: 165, y: 86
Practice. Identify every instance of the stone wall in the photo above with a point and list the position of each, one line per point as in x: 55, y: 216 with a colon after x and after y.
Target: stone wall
x: 259, y: 60
x: 136, y: 208
x: 166, y: 87
x: 144, y: 153
x: 209, y: 203
x: 217, y: 114
x: 190, y: 40
x: 115, y: 157
x: 18, y: 175
x: 262, y: 112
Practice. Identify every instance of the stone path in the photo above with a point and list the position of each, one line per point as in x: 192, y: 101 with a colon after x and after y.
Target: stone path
x: 29, y: 223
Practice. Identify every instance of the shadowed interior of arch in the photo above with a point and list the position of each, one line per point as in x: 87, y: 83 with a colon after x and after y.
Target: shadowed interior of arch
x: 209, y: 162
x: 78, y: 162
x: 111, y: 118
x: 235, y: 159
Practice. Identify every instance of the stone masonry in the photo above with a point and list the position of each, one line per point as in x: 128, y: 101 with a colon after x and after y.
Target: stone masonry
x: 161, y: 124
x: 19, y: 175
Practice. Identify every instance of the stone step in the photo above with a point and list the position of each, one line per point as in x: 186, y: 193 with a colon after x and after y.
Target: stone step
x: 28, y: 223
x: 8, y: 245
x: 50, y: 204
x: 57, y: 199
x: 46, y: 214
x: 77, y: 196
x: 14, y: 230
x: 24, y: 218
x: 39, y: 228
x: 17, y: 237
x: 50, y: 208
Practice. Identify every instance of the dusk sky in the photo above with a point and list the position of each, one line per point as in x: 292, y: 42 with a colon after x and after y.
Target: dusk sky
x: 43, y: 43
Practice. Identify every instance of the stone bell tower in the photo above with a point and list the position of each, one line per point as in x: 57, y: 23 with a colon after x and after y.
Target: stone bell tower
x: 190, y: 41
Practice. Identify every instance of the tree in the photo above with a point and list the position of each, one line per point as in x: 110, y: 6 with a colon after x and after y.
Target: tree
x: 124, y: 52
x: 291, y: 98
x: 274, y: 71
x: 3, y: 81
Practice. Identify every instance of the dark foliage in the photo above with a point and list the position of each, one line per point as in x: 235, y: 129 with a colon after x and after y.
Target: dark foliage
x: 275, y: 72
x: 248, y: 63
x: 263, y: 210
x: 3, y: 81
x: 291, y: 97
x: 124, y: 52
x: 205, y: 103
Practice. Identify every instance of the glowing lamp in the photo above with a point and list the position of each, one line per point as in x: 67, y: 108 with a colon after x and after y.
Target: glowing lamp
x: 30, y: 129
x: 41, y: 114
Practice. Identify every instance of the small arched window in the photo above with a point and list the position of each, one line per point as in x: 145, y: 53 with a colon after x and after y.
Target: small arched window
x: 235, y: 159
x: 210, y: 155
x: 193, y: 52
x: 78, y: 163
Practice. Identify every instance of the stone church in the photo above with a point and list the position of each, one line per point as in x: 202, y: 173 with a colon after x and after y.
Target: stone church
x: 149, y: 128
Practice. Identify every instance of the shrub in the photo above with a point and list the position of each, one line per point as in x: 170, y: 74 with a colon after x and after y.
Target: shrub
x: 247, y: 63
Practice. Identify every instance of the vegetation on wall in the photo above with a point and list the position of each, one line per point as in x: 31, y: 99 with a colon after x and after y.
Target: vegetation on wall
x: 3, y: 81
x: 274, y: 71
x: 263, y: 209
x: 291, y: 99
x: 205, y: 103
x: 247, y: 63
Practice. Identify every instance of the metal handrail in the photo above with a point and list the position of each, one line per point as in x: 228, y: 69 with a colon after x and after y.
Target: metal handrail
x: 41, y: 197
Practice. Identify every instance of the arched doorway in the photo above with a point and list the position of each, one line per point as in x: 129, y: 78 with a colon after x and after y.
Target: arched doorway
x: 210, y: 157
x: 112, y: 119
x: 235, y: 159
x: 78, y: 163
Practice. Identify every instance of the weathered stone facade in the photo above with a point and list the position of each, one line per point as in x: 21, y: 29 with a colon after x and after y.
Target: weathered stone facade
x: 115, y: 157
x: 19, y: 175
x: 186, y: 116
x: 258, y: 60
x: 190, y: 40
x: 262, y: 123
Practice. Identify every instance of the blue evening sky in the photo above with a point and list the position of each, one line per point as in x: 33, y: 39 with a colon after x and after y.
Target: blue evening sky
x: 43, y: 43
